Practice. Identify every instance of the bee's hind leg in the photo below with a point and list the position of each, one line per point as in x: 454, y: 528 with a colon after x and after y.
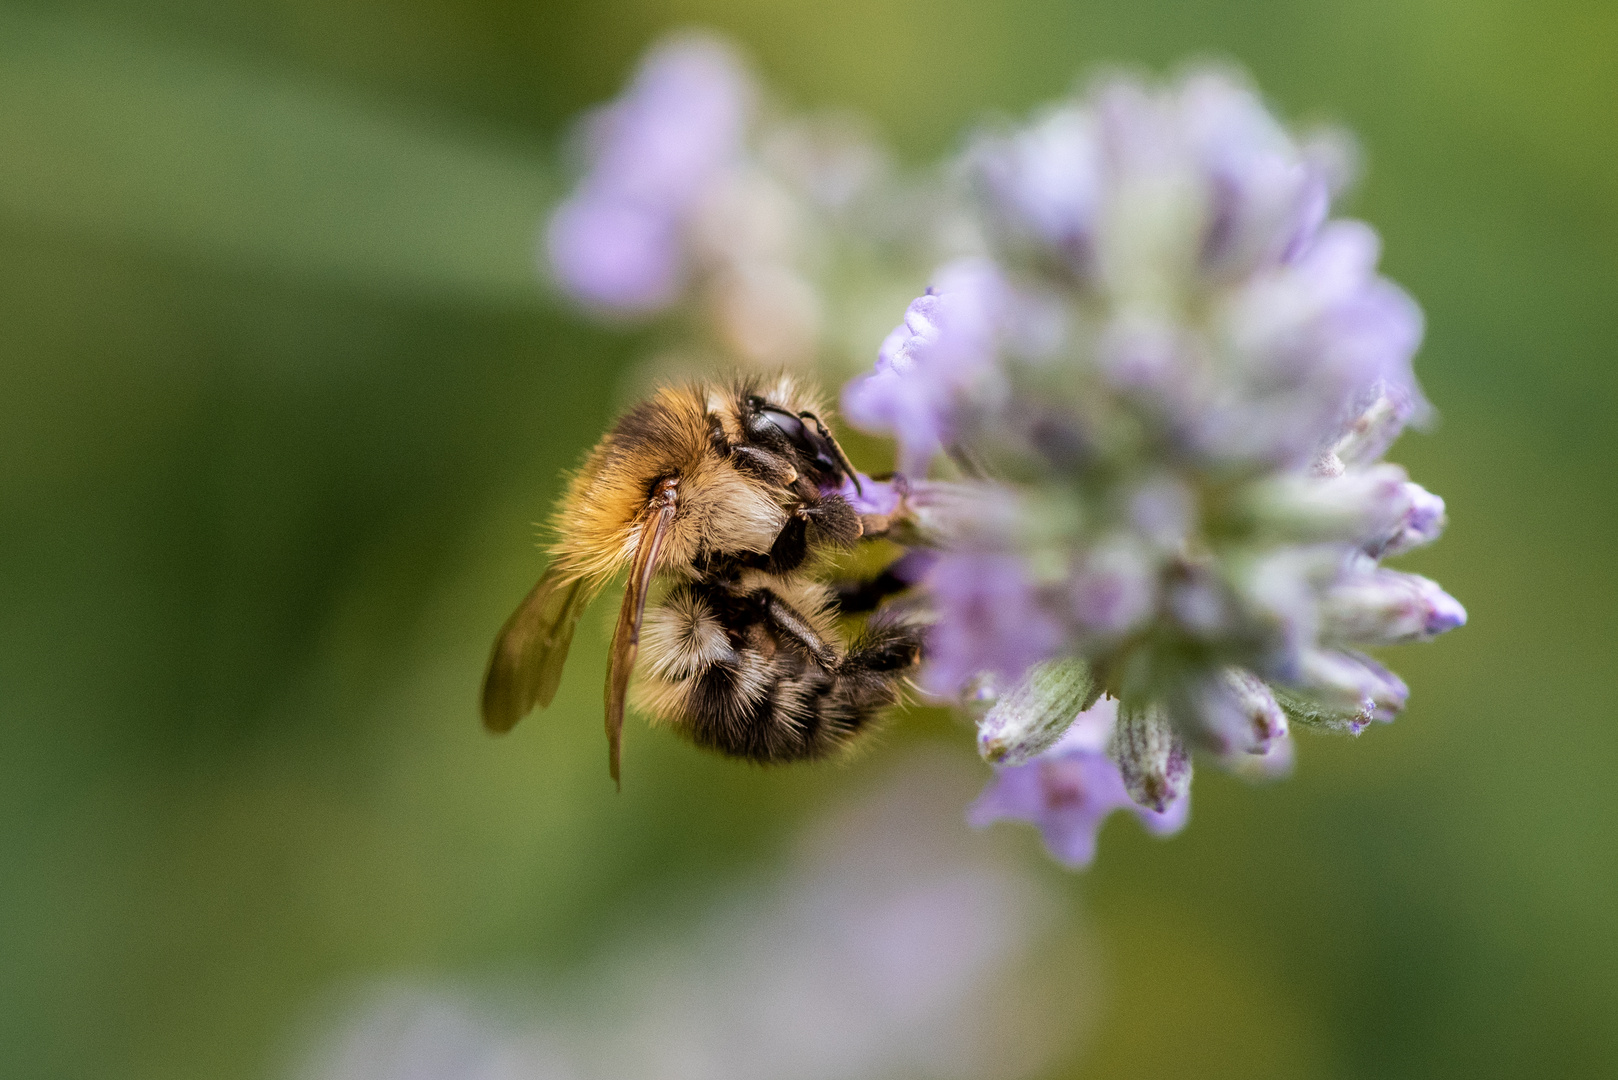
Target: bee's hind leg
x: 860, y: 596
x: 881, y: 656
x: 786, y: 621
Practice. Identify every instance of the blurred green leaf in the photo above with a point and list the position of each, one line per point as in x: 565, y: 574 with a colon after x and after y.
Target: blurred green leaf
x: 112, y: 137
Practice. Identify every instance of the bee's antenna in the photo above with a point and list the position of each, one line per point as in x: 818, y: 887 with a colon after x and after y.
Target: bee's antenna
x: 842, y: 458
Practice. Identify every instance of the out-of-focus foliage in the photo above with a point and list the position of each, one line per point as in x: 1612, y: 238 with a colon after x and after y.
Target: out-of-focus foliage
x: 280, y: 396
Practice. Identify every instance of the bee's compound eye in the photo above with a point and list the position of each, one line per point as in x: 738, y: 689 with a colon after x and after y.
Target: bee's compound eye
x: 809, y: 443
x: 786, y: 424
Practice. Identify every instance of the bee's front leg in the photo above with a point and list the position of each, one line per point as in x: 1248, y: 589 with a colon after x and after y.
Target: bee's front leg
x: 830, y: 521
x: 764, y: 464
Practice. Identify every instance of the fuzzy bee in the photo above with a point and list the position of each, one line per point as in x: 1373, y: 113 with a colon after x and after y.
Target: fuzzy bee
x: 720, y: 495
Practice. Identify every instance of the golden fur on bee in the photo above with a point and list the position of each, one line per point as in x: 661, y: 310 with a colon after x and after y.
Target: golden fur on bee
x: 724, y: 494
x: 598, y: 524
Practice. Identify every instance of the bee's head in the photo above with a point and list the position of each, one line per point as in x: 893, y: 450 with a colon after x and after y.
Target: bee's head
x: 801, y: 438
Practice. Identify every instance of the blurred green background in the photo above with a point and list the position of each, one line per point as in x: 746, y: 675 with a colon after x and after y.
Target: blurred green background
x: 280, y: 397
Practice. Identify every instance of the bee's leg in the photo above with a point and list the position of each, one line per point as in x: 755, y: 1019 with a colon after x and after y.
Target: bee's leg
x: 886, y: 645
x: 767, y: 466
x: 837, y: 450
x: 858, y: 597
x: 831, y: 521
x: 870, y: 674
x: 816, y: 523
x: 786, y: 621
x: 791, y: 547
x: 869, y: 679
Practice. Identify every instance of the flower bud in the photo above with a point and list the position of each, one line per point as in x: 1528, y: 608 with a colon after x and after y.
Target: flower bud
x: 1352, y: 506
x: 1037, y: 712
x: 1153, y: 761
x: 1421, y: 523
x: 1349, y: 684
x: 1233, y: 712
x: 1375, y: 429
x: 1385, y: 607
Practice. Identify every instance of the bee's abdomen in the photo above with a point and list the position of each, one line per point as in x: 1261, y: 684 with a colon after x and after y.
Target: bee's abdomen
x: 761, y: 698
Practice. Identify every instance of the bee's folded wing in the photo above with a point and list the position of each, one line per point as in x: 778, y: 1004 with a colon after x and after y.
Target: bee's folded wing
x: 526, y: 665
x: 654, y: 529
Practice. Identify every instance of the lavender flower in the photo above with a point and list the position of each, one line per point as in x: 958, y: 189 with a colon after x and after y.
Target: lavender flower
x: 1068, y: 791
x: 697, y: 194
x: 617, y: 244
x: 1171, y: 378
x: 942, y: 353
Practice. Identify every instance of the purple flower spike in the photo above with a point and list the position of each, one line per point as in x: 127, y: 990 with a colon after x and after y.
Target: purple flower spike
x: 1170, y: 385
x: 618, y: 244
x: 1069, y: 791
x: 681, y: 121
x: 1139, y: 415
x: 614, y: 256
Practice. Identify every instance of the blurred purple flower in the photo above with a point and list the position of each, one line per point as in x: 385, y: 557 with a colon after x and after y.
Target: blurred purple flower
x: 991, y: 620
x: 617, y: 244
x: 613, y: 255
x: 1113, y: 592
x: 1045, y: 182
x: 1068, y: 792
x: 1269, y: 194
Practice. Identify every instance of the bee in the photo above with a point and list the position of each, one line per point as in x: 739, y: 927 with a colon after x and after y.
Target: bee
x: 725, y: 494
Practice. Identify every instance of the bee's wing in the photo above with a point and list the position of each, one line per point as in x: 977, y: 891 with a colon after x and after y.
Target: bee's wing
x: 526, y: 665
x: 626, y: 638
